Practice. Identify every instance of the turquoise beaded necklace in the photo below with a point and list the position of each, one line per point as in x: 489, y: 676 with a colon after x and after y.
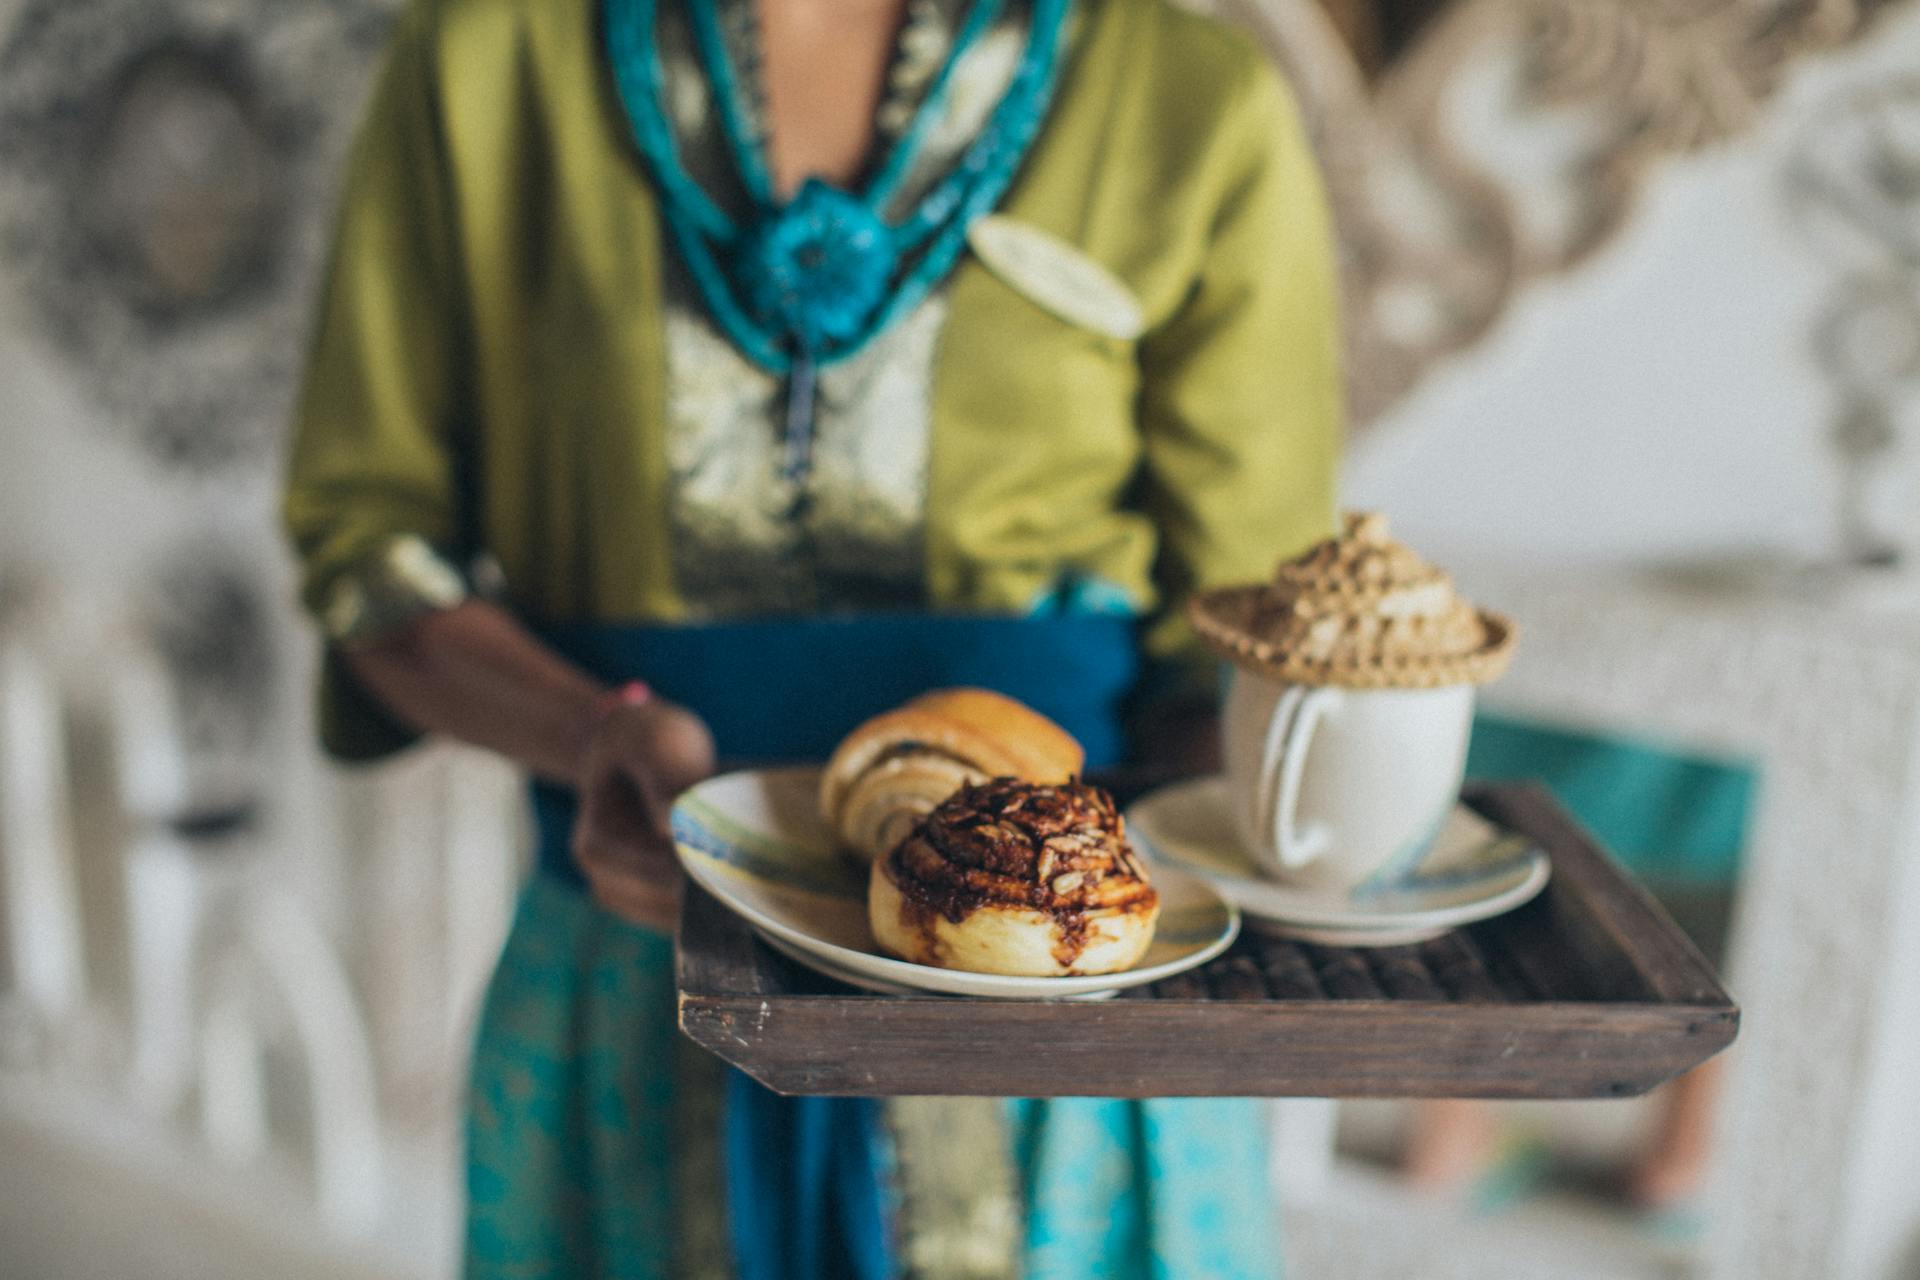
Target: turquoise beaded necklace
x: 810, y: 281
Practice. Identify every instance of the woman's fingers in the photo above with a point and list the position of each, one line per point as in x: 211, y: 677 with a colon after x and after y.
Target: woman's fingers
x: 669, y: 748
x: 628, y: 864
x: 652, y: 902
x: 620, y: 842
x: 639, y: 762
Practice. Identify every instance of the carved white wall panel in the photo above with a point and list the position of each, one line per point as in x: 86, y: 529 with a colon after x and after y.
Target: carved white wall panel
x: 170, y: 168
x: 1853, y: 186
x: 1512, y: 141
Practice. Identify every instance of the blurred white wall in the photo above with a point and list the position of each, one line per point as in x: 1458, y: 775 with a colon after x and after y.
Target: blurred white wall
x: 1664, y: 404
x: 1663, y: 401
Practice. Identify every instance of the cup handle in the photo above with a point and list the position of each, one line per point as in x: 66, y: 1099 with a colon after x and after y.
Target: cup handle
x: 1283, y: 763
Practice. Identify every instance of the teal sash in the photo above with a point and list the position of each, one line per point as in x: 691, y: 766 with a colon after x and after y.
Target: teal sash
x: 791, y: 689
x: 802, y: 1175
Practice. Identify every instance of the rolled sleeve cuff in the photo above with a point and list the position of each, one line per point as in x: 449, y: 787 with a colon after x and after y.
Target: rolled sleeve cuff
x: 399, y: 581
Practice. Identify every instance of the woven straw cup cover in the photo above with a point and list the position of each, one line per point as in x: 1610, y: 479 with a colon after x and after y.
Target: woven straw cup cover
x: 1360, y: 611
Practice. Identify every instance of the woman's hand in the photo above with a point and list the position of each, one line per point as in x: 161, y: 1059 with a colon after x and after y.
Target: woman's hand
x: 475, y: 673
x: 639, y: 758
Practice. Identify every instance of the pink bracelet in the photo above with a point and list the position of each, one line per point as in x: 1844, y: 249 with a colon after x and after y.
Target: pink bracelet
x: 633, y: 693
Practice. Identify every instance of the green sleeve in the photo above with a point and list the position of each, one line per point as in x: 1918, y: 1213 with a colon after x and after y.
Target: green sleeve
x: 372, y: 462
x: 1242, y: 406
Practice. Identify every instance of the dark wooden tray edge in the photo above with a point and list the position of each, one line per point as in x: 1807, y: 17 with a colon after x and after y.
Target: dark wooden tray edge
x: 1308, y: 1050
x: 1580, y: 1048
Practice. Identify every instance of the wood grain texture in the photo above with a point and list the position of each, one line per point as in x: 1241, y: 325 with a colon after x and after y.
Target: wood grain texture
x: 1589, y: 991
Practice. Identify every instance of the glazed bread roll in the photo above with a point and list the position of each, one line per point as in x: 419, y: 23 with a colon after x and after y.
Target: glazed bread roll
x: 1012, y: 878
x: 891, y: 771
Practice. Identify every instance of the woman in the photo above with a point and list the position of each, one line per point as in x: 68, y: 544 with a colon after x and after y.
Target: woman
x: 677, y: 345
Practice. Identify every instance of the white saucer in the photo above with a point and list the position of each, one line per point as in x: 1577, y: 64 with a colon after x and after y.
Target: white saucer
x: 1474, y: 870
x: 755, y: 841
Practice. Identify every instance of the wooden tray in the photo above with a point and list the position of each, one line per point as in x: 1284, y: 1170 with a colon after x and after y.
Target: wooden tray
x: 1588, y: 991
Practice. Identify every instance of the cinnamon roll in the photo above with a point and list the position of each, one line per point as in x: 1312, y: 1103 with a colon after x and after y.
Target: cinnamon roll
x: 1012, y: 878
x: 888, y: 773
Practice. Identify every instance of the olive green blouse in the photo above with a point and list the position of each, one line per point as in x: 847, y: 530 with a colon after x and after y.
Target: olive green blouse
x: 490, y: 370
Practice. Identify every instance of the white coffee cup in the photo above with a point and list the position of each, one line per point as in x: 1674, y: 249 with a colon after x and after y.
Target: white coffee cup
x: 1332, y: 787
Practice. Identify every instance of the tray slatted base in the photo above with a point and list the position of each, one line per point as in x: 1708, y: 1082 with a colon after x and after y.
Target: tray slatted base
x: 1590, y: 990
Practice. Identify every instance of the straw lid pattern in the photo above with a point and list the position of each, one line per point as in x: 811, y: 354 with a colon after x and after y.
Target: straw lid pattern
x: 1359, y: 610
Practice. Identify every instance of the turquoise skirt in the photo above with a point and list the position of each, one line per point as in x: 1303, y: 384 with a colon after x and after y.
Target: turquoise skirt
x: 602, y: 1143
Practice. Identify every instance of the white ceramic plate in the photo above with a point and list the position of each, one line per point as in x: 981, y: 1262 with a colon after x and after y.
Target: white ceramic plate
x: 867, y: 982
x: 831, y: 970
x: 1476, y: 871
x: 755, y: 841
